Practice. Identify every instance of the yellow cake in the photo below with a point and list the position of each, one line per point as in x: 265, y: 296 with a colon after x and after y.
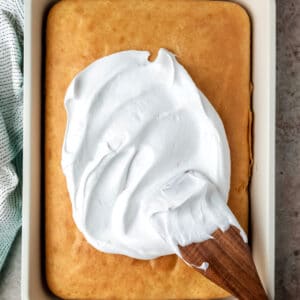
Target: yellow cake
x: 211, y: 39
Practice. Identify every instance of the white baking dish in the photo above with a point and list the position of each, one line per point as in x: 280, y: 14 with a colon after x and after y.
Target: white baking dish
x: 262, y: 14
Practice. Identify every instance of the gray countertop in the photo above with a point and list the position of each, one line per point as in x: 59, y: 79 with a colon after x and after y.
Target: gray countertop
x: 287, y: 166
x: 288, y: 151
x: 10, y: 277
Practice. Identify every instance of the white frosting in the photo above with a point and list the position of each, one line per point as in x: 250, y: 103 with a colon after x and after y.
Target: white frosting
x: 145, y: 157
x: 204, y: 266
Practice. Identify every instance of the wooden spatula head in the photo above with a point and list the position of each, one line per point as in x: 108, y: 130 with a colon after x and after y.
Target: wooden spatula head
x: 229, y: 263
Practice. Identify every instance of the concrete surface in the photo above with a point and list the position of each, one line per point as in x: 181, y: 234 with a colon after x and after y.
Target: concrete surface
x: 288, y: 151
x: 287, y: 163
x: 10, y: 277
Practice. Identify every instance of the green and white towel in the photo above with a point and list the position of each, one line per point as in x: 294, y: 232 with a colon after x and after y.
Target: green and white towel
x: 11, y: 121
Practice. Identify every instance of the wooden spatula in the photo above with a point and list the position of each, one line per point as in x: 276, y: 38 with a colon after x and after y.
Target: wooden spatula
x: 228, y: 263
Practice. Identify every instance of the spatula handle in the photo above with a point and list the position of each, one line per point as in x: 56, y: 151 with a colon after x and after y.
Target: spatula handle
x: 230, y: 264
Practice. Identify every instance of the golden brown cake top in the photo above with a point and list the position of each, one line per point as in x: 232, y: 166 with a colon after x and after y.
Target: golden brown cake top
x: 212, y: 41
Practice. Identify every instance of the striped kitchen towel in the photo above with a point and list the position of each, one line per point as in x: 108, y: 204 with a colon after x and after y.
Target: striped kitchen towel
x: 11, y: 121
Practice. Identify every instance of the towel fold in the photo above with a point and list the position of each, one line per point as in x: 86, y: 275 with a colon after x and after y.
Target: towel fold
x: 11, y: 121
